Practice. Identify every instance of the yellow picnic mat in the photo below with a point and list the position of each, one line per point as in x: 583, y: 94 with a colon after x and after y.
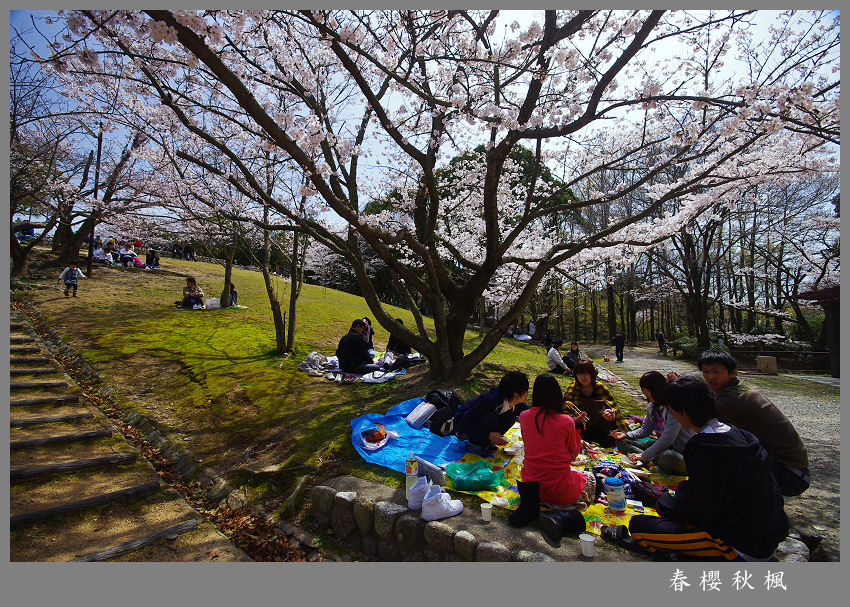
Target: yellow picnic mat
x: 506, y: 495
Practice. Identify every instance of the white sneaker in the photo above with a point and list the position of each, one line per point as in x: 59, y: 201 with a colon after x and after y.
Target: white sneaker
x: 437, y: 505
x: 417, y: 492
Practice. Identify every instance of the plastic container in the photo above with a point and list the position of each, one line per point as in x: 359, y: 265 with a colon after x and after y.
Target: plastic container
x: 486, y: 511
x: 616, y: 494
x: 411, y: 473
x: 587, y: 540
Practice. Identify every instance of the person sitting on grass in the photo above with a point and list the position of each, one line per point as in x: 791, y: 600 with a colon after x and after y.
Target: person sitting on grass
x: 70, y: 275
x: 352, y: 352
x: 368, y: 334
x: 554, y: 361
x: 591, y: 396
x: 482, y: 421
x: 100, y: 255
x: 573, y: 355
x: 152, y: 259
x: 551, y: 443
x: 729, y: 509
x: 665, y: 451
x: 396, y: 346
x: 234, y: 295
x: 127, y: 255
x: 192, y: 294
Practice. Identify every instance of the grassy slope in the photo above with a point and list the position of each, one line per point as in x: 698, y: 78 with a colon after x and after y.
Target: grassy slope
x: 213, y: 377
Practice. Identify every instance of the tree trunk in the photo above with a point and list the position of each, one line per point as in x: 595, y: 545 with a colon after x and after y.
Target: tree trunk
x: 279, y: 327
x: 20, y: 258
x: 295, y: 282
x: 612, y: 318
x: 594, y: 315
x: 224, y: 300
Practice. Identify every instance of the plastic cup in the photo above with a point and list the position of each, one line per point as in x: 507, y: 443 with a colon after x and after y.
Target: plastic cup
x: 587, y: 540
x: 486, y: 512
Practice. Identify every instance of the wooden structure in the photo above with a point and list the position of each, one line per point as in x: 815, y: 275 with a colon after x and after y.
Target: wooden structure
x: 829, y: 299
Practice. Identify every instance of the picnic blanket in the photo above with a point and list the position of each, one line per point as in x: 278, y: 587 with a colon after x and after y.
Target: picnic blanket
x: 438, y: 450
x: 506, y: 495
x: 441, y: 450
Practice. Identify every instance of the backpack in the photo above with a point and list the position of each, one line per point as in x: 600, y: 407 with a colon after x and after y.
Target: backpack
x: 441, y: 422
x: 648, y: 493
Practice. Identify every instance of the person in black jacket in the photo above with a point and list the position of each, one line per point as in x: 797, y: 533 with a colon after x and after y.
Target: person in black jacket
x: 730, y: 508
x: 483, y: 420
x: 352, y: 353
x: 396, y: 346
x: 619, y: 345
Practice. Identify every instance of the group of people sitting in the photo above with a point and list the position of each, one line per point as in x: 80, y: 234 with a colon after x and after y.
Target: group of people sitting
x: 123, y: 253
x: 739, y: 451
x: 183, y: 251
x: 356, y: 350
x: 562, y: 365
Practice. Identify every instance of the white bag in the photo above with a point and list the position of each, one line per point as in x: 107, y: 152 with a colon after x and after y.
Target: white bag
x: 387, y: 360
x: 420, y: 414
x: 378, y: 377
x: 212, y: 303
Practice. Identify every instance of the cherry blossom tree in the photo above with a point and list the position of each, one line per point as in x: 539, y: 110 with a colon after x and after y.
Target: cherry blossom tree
x: 368, y: 102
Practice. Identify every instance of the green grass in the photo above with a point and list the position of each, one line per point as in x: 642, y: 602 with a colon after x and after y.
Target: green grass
x: 214, y: 376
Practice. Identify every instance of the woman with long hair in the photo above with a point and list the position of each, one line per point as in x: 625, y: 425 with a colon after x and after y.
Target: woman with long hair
x: 665, y: 451
x: 551, y: 444
x: 589, y: 395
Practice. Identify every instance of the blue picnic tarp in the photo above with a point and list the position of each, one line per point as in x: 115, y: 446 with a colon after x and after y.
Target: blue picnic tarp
x: 438, y: 450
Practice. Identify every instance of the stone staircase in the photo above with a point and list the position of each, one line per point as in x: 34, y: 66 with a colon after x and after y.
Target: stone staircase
x: 79, y: 490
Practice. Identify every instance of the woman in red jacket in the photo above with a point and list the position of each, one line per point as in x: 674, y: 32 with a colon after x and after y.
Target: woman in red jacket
x: 551, y: 443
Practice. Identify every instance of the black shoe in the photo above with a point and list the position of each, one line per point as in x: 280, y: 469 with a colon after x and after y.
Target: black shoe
x: 619, y: 535
x: 555, y: 524
x: 529, y: 504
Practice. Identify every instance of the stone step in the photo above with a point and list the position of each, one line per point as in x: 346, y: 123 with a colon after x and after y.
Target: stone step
x: 24, y: 349
x: 37, y: 385
x: 24, y: 518
x: 17, y: 326
x: 33, y: 371
x: 45, y: 400
x: 23, y: 339
x: 62, y: 438
x: 29, y: 360
x: 20, y: 423
x: 135, y: 544
x: 108, y: 460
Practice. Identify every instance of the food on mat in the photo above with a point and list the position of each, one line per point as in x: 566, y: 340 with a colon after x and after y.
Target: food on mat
x: 374, y: 435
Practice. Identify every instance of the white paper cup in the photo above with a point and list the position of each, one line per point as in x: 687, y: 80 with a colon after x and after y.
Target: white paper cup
x: 486, y: 511
x: 587, y: 540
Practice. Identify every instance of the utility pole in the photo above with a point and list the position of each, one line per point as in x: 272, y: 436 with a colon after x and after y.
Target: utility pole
x: 96, y: 182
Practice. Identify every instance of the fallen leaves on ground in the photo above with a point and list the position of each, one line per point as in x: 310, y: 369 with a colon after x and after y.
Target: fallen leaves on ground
x: 245, y: 528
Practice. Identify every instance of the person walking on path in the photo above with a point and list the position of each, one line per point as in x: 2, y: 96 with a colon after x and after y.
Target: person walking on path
x: 660, y: 338
x: 70, y: 274
x: 619, y: 344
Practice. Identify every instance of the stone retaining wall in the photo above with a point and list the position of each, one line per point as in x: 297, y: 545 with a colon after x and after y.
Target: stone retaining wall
x: 391, y: 532
x: 367, y: 517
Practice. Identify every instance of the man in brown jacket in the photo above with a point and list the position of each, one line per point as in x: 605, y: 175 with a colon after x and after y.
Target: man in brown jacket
x: 750, y: 410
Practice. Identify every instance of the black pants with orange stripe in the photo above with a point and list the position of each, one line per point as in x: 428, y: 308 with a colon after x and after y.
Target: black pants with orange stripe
x: 659, y: 534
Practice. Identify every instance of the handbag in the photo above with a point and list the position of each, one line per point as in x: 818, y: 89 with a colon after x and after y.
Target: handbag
x: 648, y: 493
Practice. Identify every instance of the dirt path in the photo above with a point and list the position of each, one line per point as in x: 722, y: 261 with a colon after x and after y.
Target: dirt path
x: 813, y: 408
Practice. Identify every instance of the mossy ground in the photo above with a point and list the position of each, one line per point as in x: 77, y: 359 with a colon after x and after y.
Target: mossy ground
x: 213, y: 379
